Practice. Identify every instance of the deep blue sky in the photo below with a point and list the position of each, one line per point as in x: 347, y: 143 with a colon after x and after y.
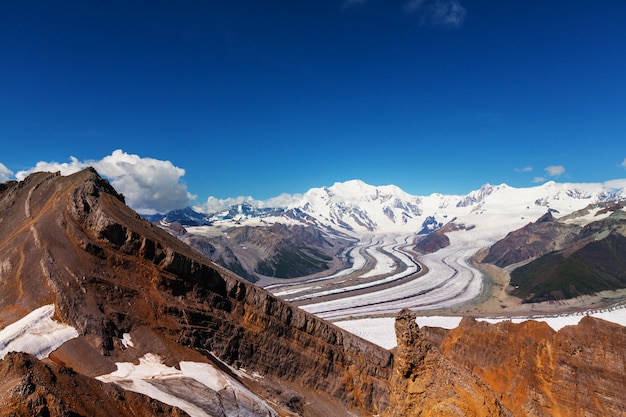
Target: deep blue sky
x: 263, y: 97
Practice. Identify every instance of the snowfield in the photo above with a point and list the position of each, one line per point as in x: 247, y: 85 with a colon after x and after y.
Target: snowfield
x: 36, y: 333
x: 197, y: 388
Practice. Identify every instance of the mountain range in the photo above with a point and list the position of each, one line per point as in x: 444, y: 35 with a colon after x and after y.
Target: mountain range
x: 247, y: 240
x: 105, y: 313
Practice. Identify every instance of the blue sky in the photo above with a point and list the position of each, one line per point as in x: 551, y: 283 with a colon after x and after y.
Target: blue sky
x: 251, y: 98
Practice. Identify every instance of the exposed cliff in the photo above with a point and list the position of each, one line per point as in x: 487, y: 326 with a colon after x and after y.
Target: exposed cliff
x: 426, y: 383
x: 535, y: 371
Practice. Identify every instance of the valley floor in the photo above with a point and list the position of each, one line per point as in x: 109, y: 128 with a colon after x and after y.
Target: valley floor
x: 386, y: 276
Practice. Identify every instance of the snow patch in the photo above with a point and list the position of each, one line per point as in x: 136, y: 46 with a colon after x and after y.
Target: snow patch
x: 36, y: 333
x: 126, y: 341
x: 179, y: 387
x: 381, y: 330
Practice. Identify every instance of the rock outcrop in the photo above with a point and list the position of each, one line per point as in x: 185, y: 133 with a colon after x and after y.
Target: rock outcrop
x: 535, y: 371
x: 426, y: 383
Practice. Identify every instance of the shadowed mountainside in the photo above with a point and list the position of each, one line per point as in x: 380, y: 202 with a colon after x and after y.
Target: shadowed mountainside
x: 273, y: 250
x: 564, y: 260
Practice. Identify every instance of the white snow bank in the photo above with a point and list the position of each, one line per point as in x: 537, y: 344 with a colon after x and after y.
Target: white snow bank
x: 36, y: 333
x: 381, y: 330
x: 176, y: 390
x: 557, y: 322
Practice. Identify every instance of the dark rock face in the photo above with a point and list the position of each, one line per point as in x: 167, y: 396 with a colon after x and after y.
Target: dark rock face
x: 438, y: 239
x: 535, y: 239
x: 564, y: 260
x: 597, y: 266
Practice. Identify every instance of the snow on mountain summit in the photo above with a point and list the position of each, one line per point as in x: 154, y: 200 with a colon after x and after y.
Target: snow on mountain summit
x: 356, y: 207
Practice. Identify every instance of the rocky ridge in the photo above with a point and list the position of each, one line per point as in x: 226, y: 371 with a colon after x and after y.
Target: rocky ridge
x: 109, y: 272
x: 579, y: 254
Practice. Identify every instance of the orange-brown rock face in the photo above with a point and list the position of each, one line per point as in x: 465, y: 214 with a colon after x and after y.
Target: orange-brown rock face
x: 425, y: 383
x: 578, y: 371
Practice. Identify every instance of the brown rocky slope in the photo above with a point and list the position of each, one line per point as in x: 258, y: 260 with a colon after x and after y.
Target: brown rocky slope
x: 72, y: 242
x: 29, y: 387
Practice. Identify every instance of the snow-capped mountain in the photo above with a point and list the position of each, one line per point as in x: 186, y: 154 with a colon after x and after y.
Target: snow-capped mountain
x: 357, y: 208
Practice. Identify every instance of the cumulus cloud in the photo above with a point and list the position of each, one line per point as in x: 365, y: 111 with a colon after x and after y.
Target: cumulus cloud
x: 65, y: 168
x: 525, y: 169
x: 445, y: 13
x: 283, y: 200
x: 616, y: 184
x: 555, y: 170
x: 214, y: 204
x: 5, y: 173
x: 149, y: 185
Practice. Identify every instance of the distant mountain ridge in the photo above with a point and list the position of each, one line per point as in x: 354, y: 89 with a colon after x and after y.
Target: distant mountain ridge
x: 355, y: 207
x: 581, y: 253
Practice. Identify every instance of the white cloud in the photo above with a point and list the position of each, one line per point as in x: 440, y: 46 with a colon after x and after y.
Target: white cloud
x: 446, y: 13
x: 5, y: 173
x: 64, y: 168
x: 538, y: 179
x: 623, y: 164
x: 214, y: 204
x: 555, y: 170
x: 283, y: 200
x: 525, y: 169
x: 149, y: 185
x: 616, y: 184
